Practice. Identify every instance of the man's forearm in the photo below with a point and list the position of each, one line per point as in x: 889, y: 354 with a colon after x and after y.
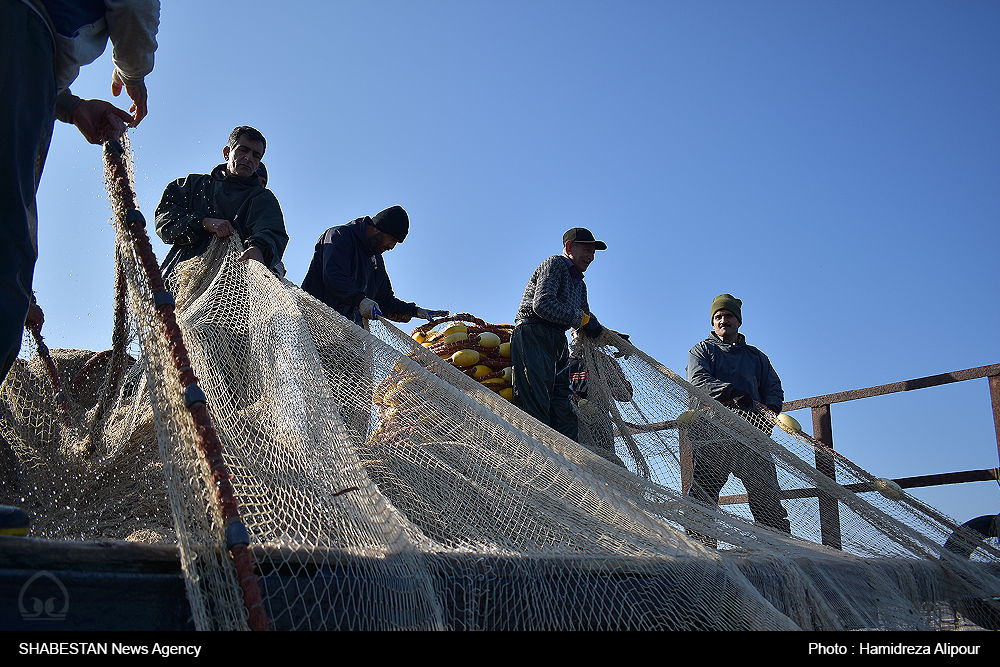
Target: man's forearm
x: 178, y: 225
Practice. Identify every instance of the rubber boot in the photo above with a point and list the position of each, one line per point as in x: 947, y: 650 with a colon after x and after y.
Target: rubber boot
x: 13, y: 521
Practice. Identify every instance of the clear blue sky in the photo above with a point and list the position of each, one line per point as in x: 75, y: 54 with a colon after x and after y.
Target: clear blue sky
x: 833, y: 164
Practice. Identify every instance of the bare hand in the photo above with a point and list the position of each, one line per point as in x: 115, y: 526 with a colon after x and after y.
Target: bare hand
x: 221, y: 228
x: 98, y: 120
x: 253, y: 252
x: 135, y: 91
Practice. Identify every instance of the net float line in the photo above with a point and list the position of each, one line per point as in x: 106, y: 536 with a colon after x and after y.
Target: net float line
x: 479, y: 326
x: 50, y: 368
x: 209, y: 445
x: 494, y: 353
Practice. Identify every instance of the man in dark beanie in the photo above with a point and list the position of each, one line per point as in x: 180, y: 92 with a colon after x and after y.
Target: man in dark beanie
x: 348, y: 274
x: 740, y: 377
x: 554, y: 301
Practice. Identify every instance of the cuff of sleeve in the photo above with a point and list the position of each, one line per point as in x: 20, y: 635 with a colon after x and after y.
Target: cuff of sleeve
x: 129, y: 80
x: 66, y: 104
x: 265, y: 251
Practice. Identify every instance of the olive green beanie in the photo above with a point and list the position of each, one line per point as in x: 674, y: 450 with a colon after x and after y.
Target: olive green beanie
x: 727, y: 302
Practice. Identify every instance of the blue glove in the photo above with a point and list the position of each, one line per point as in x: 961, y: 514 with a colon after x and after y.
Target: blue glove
x: 425, y: 314
x: 369, y: 309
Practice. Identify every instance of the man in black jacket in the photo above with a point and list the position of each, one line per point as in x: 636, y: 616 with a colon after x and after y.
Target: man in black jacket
x: 348, y: 273
x: 231, y: 200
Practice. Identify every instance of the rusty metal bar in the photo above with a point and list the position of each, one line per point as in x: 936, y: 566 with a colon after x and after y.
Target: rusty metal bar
x: 823, y: 433
x: 634, y: 429
x: 987, y: 475
x: 686, y: 452
x: 995, y: 400
x: 906, y: 385
x: 829, y: 509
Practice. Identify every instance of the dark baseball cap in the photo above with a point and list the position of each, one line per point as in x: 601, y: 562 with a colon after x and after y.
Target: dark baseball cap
x: 581, y: 235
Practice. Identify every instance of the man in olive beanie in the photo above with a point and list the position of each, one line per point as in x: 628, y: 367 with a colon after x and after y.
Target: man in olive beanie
x: 740, y: 377
x: 727, y: 302
x: 348, y: 273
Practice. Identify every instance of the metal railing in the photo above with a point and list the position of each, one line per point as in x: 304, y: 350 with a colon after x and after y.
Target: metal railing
x: 829, y: 512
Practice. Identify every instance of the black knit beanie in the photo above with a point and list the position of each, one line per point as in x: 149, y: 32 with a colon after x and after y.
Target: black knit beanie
x: 392, y: 221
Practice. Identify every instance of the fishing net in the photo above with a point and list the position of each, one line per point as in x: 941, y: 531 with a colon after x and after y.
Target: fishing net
x: 382, y: 485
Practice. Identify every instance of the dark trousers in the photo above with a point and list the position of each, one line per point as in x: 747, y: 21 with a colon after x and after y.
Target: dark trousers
x: 27, y: 112
x: 540, y: 357
x: 715, y: 460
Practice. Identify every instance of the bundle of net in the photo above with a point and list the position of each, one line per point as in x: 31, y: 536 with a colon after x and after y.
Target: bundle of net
x: 384, y: 487
x: 79, y: 449
x: 82, y: 462
x: 656, y: 422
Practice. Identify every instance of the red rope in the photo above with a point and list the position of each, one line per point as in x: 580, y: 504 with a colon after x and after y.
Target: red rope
x: 50, y: 368
x: 209, y: 444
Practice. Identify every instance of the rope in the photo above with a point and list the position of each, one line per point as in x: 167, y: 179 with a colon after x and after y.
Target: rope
x: 209, y: 444
x: 50, y: 368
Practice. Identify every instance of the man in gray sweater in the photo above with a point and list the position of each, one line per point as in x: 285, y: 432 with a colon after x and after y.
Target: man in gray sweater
x: 554, y: 300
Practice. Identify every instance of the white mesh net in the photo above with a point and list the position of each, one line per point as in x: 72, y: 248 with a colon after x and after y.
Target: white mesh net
x: 383, y: 488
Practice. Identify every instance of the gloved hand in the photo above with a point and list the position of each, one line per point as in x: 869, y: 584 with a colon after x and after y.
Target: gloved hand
x: 741, y: 401
x: 425, y: 314
x: 369, y: 309
x: 592, y: 328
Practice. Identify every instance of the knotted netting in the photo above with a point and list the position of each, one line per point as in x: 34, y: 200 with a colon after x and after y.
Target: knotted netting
x: 383, y: 488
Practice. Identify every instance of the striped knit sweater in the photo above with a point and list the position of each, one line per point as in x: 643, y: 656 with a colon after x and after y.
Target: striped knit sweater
x: 552, y: 295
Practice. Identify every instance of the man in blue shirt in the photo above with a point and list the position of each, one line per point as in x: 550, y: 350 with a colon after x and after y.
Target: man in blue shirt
x: 741, y: 377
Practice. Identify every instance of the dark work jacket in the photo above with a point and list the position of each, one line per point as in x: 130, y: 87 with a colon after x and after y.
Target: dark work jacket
x: 344, y: 271
x: 253, y: 211
x: 725, y: 370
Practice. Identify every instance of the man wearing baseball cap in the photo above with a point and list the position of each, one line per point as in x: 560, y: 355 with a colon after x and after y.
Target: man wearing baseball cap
x: 554, y: 301
x: 348, y: 273
x: 740, y: 377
